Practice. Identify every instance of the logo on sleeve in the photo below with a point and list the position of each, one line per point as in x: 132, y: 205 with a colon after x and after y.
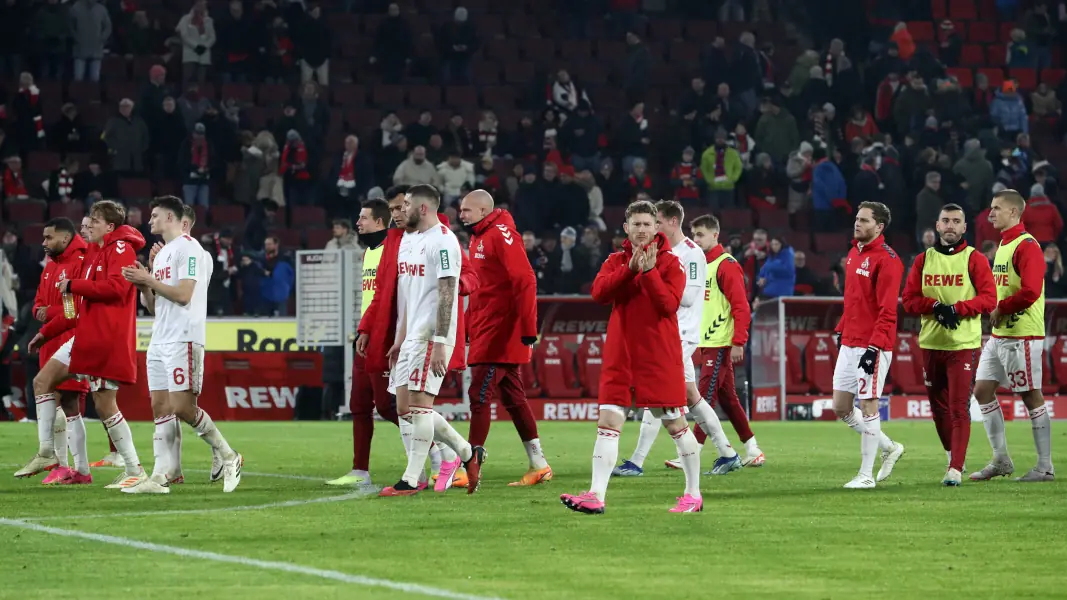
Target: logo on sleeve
x: 192, y: 266
x: 507, y: 234
x: 120, y: 246
x: 693, y: 271
x: 445, y: 265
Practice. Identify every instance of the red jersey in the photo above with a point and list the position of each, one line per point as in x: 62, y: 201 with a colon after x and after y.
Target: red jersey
x: 984, y: 301
x: 105, y: 339
x: 57, y: 329
x: 503, y: 309
x: 643, y: 354
x: 872, y: 281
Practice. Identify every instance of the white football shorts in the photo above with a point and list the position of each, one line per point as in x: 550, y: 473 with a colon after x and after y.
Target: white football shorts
x: 849, y: 377
x: 688, y: 349
x: 413, y: 369
x: 176, y: 367
x: 1014, y: 363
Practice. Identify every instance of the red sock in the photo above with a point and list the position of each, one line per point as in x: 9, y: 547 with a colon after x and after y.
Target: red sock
x: 731, y: 405
x: 523, y: 418
x: 481, y: 417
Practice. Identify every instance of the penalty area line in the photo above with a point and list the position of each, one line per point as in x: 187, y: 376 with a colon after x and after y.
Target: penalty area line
x: 201, y: 511
x: 266, y: 565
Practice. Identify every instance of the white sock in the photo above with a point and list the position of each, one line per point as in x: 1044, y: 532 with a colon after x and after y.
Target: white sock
x: 869, y: 444
x: 206, y: 429
x: 605, y: 453
x: 161, y: 443
x: 1042, y: 429
x: 993, y: 419
x: 404, y: 422
x: 689, y: 455
x: 706, y: 419
x: 119, y: 432
x: 447, y: 453
x: 444, y: 434
x: 751, y: 447
x: 435, y: 457
x: 948, y: 457
x: 650, y: 427
x: 60, y: 435
x: 854, y: 420
x: 175, y: 450
x: 534, y: 453
x: 79, y: 447
x: 421, y: 438
x: 46, y: 422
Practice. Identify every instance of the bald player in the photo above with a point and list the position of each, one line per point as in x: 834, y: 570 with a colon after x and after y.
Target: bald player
x: 501, y: 327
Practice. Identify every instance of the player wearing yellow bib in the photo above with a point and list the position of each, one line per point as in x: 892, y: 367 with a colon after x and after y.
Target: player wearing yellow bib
x: 369, y: 390
x: 1012, y: 357
x: 951, y: 286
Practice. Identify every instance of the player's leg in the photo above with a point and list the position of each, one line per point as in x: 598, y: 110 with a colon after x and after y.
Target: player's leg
x: 688, y: 453
x: 1029, y: 354
x: 113, y: 458
x: 706, y: 391
x: 959, y: 369
x: 485, y: 381
x: 456, y: 452
x: 361, y: 405
x: 59, y: 433
x: 105, y: 395
x: 163, y: 417
x: 513, y: 396
x: 870, y: 393
x: 45, y: 383
x: 990, y: 375
x: 605, y: 453
x: 68, y: 405
x: 704, y: 419
x: 731, y: 405
x: 76, y: 436
x: 935, y: 376
x: 646, y: 436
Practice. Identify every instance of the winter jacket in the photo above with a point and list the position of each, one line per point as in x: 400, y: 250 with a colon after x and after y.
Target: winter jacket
x: 105, y: 338
x: 1009, y: 113
x: 503, y: 309
x: 1043, y: 219
x: 57, y: 329
x: 872, y: 281
x: 275, y: 288
x: 127, y: 141
x: 451, y: 181
x: 643, y: 332
x: 192, y: 38
x: 777, y: 134
x: 978, y: 173
x: 927, y: 208
x: 827, y: 186
x: 349, y: 242
x: 379, y: 319
x: 90, y: 27
x: 732, y: 168
x: 410, y: 173
x: 780, y: 272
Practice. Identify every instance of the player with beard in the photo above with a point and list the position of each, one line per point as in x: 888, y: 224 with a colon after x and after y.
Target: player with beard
x: 951, y: 286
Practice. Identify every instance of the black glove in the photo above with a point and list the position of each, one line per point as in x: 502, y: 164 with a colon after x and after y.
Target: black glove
x: 869, y: 360
x: 837, y: 340
x: 946, y: 315
x: 200, y: 49
x: 529, y: 340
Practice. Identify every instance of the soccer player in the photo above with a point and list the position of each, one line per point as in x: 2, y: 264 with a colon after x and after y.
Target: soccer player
x: 428, y: 266
x: 669, y: 222
x: 1012, y: 357
x: 951, y: 286
x: 66, y: 255
x: 175, y: 291
x: 642, y: 363
x: 104, y: 344
x: 370, y: 390
x: 867, y: 332
x: 502, y: 325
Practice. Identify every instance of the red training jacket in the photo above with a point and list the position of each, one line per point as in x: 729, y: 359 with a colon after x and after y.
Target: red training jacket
x: 872, y: 280
x: 57, y: 329
x: 1042, y: 219
x: 105, y: 339
x: 1029, y: 263
x: 643, y: 350
x: 379, y: 320
x: 503, y: 309
x: 984, y: 301
x: 984, y: 230
x: 731, y: 280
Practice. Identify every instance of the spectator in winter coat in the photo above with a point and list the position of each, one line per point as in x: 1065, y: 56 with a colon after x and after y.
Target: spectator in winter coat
x: 1055, y: 284
x: 197, y: 32
x: 238, y: 44
x: 458, y: 41
x: 902, y: 38
x: 51, y: 30
x: 928, y: 203
x: 867, y: 185
x: 636, y: 67
x: 455, y: 177
x: 594, y: 196
x: 416, y: 169
x: 687, y: 179
x: 976, y: 174
x: 634, y: 138
x: 565, y: 95
x: 798, y: 168
x: 277, y: 282
x: 126, y: 136
x: 580, y: 137
x: 354, y: 173
x: 343, y: 236
x: 950, y: 44
x: 29, y: 120
x: 90, y: 29
x: 293, y: 168
x: 721, y: 168
x: 776, y: 130
x: 829, y: 193
x: 393, y: 45
x: 313, y: 40
x: 457, y: 137
x: 639, y: 180
x: 1042, y: 218
x: 1045, y: 102
x: 1008, y: 111
x: 777, y: 277
x: 764, y: 185
x: 69, y: 133
x: 1018, y: 51
x: 195, y: 158
x: 909, y: 110
x: 860, y: 125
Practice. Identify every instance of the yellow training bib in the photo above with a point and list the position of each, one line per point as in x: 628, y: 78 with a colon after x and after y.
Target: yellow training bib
x: 717, y: 323
x: 371, y: 258
x: 1029, y: 322
x: 947, y: 279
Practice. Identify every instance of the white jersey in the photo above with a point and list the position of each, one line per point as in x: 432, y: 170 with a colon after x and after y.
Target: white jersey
x: 182, y: 258
x: 691, y: 310
x: 424, y: 260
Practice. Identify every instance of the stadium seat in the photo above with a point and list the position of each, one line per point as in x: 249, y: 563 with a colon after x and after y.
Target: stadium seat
x: 316, y: 237
x: 1052, y: 77
x: 529, y: 380
x: 70, y: 210
x: 349, y: 95
x: 117, y: 90
x: 84, y: 92
x: 794, y: 368
x: 921, y: 31
x: 939, y: 10
x: 982, y: 32
x: 965, y: 77
x: 314, y: 216
x: 995, y: 76
x: 32, y: 234
x: 820, y: 356
x: 273, y: 94
x: 736, y: 219
x: 972, y: 55
x: 962, y: 10
x: 1059, y: 360
x: 288, y: 238
x: 555, y: 366
x: 461, y: 97
x: 227, y: 215
x: 906, y: 368
x: 1026, y: 78
x: 242, y: 92
x: 42, y: 162
x: 774, y: 220
x: 832, y: 243
x: 589, y: 362
x: 996, y: 55
x: 137, y: 189
x: 25, y: 211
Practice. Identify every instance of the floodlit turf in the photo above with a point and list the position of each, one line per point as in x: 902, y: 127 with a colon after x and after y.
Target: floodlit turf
x: 787, y: 530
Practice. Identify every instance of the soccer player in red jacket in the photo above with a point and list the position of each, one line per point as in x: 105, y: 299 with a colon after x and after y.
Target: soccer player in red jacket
x: 501, y: 327
x: 868, y: 331
x: 642, y: 365
x: 104, y: 344
x: 66, y: 253
x: 951, y: 286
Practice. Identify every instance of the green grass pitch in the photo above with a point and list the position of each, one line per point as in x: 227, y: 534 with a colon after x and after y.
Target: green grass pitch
x: 787, y: 530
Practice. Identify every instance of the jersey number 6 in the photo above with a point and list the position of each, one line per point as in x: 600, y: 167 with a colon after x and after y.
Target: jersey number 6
x: 179, y: 376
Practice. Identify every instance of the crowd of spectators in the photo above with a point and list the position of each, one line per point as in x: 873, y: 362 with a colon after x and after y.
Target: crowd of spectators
x: 790, y: 148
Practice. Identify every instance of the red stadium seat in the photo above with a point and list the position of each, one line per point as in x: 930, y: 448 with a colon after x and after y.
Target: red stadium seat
x: 972, y: 55
x: 1059, y: 360
x: 906, y: 368
x: 349, y: 95
x: 84, y: 92
x: 70, y: 210
x: 316, y: 237
x: 982, y: 32
x: 1026, y: 78
x: 555, y: 366
x: 288, y: 238
x: 273, y: 94
x: 529, y: 380
x: 25, y: 211
x: 996, y: 55
x: 590, y: 353
x: 820, y: 356
x: 314, y: 216
x: 774, y: 220
x: 965, y: 77
x: 1052, y: 77
x: 242, y: 92
x: 42, y: 162
x: 962, y: 10
x: 921, y: 31
x: 794, y: 368
x: 32, y: 235
x: 833, y: 243
x: 938, y: 10
x: 736, y: 219
x: 995, y: 76
x: 135, y: 189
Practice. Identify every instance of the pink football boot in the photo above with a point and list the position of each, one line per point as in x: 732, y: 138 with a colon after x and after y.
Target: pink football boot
x: 688, y: 504
x: 586, y: 502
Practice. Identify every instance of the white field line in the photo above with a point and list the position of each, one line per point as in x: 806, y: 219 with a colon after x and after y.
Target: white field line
x: 243, y: 473
x: 201, y: 511
x: 266, y: 565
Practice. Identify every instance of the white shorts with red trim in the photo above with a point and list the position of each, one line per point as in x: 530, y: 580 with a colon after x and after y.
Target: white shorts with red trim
x: 849, y: 377
x: 176, y: 367
x: 1014, y: 363
x: 412, y: 369
x: 688, y: 349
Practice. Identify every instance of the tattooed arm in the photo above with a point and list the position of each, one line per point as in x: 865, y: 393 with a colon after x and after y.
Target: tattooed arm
x: 446, y: 298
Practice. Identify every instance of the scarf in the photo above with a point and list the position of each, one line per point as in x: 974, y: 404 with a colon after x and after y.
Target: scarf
x: 720, y: 162
x: 487, y: 135
x: 742, y: 144
x: 299, y: 157
x: 346, y: 178
x: 33, y: 97
x: 818, y: 126
x: 828, y: 70
x: 14, y: 186
x: 870, y: 169
x: 768, y: 69
x: 200, y: 157
x: 225, y: 255
x: 64, y: 184
x: 566, y: 261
